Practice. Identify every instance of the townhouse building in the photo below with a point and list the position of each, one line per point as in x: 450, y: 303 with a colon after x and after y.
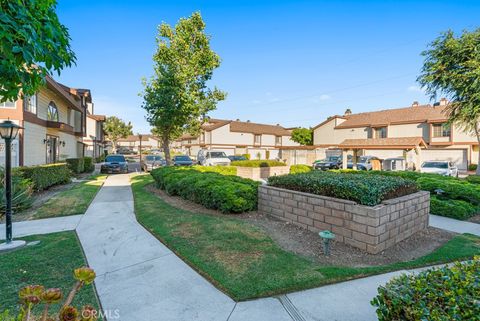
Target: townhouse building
x: 416, y: 133
x: 235, y: 137
x: 132, y: 142
x: 54, y: 122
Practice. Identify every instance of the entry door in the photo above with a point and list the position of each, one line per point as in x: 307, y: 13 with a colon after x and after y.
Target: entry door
x: 52, y: 149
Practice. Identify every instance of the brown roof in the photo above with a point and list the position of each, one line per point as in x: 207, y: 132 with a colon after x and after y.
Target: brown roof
x: 97, y: 117
x: 214, y: 124
x: 255, y: 128
x: 405, y: 115
x: 61, y: 90
x: 390, y: 143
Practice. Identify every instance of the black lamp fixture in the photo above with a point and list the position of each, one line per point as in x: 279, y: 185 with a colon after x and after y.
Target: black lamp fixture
x: 8, y: 132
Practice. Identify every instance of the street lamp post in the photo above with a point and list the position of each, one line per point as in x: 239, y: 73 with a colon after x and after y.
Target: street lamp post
x: 9, y: 131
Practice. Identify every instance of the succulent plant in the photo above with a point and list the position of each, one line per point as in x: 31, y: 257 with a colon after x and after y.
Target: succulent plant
x: 52, y: 296
x: 68, y: 313
x: 85, y: 275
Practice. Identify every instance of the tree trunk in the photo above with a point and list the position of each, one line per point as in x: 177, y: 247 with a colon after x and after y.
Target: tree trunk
x: 114, y: 146
x: 166, y: 150
x: 477, y: 172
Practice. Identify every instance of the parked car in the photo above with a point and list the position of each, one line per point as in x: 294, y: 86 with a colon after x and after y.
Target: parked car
x: 114, y: 164
x: 331, y: 162
x: 156, y: 152
x: 125, y: 151
x: 212, y: 158
x: 444, y: 168
x: 150, y: 162
x: 182, y: 160
x: 364, y: 163
x: 234, y: 158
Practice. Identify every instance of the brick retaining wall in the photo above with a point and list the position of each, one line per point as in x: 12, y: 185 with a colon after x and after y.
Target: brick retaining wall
x: 369, y: 228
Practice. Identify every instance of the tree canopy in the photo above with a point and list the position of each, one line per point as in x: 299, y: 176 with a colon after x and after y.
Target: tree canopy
x: 115, y: 128
x: 452, y: 69
x: 177, y: 98
x: 33, y: 43
x: 303, y: 136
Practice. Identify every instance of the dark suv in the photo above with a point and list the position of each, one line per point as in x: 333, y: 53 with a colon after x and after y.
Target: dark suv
x: 114, y: 164
x: 331, y: 162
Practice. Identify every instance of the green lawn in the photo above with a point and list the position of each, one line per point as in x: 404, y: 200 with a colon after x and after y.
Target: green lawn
x: 243, y: 260
x: 50, y: 263
x: 73, y: 201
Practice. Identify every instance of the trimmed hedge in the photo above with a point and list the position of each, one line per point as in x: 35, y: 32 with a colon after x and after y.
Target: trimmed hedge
x: 474, y: 179
x: 89, y: 166
x: 453, y: 189
x: 76, y: 165
x: 298, y: 169
x: 224, y: 170
x: 363, y: 189
x: 472, y: 167
x: 229, y: 194
x: 258, y: 163
x: 457, y: 209
x: 447, y: 293
x: 45, y: 176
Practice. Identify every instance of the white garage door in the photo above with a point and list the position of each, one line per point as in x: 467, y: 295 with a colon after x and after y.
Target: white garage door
x: 458, y: 156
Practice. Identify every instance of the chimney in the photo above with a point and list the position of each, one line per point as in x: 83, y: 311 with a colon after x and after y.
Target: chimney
x: 415, y: 104
x: 443, y: 101
x: 248, y: 121
x: 348, y: 112
x: 278, y: 124
x: 238, y: 119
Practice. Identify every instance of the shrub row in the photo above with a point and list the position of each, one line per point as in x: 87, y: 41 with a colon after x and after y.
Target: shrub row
x: 80, y: 165
x: 258, y: 163
x: 229, y: 194
x: 447, y: 293
x: 457, y: 209
x: 362, y: 188
x: 298, y: 169
x: 224, y: 170
x: 45, y: 176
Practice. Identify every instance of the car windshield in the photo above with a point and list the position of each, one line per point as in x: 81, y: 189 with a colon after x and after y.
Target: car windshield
x: 115, y: 159
x: 435, y: 165
x: 333, y: 159
x: 153, y: 158
x: 363, y: 159
x: 238, y: 158
x: 182, y: 158
x: 216, y: 155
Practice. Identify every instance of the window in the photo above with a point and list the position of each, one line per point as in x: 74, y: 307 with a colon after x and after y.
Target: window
x: 381, y: 132
x: 278, y: 140
x: 52, y: 112
x: 30, y: 104
x: 441, y: 130
x: 257, y: 139
x: 7, y: 104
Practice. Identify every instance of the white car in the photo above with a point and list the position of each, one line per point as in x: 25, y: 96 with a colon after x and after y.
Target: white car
x: 444, y: 168
x: 212, y: 158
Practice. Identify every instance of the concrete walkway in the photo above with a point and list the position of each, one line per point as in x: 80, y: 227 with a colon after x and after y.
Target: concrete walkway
x: 138, y: 278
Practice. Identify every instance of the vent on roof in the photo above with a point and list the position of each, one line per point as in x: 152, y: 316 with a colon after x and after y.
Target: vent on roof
x: 238, y: 119
x: 443, y: 101
x: 248, y: 120
x: 415, y: 104
x: 278, y: 124
x: 348, y: 112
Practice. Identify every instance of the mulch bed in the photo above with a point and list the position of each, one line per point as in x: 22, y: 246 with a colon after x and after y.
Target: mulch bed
x: 295, y: 239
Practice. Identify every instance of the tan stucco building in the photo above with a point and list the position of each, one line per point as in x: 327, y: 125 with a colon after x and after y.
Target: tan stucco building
x: 132, y: 142
x: 236, y: 137
x: 54, y: 122
x: 417, y: 133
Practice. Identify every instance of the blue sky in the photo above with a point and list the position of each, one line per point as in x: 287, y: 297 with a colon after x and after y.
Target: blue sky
x: 288, y: 62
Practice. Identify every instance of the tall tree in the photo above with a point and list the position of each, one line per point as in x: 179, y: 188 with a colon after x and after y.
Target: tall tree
x: 452, y: 68
x: 177, y: 98
x: 33, y: 43
x: 303, y: 136
x: 115, y: 128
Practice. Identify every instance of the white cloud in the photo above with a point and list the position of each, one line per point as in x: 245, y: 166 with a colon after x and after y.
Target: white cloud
x: 318, y: 99
x: 415, y: 89
x: 324, y: 97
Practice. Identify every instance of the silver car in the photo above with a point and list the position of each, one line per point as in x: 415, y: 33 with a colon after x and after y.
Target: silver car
x: 151, y: 162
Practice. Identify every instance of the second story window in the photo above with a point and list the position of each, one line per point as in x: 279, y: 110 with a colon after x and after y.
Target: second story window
x: 52, y: 112
x: 441, y: 130
x: 7, y: 104
x: 257, y: 140
x: 30, y: 104
x: 381, y: 132
x: 278, y: 140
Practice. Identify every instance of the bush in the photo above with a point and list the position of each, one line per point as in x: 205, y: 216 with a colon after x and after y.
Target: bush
x: 229, y: 194
x: 457, y: 209
x: 298, y: 169
x: 362, y: 188
x: 88, y: 164
x: 224, y: 170
x: 451, y: 188
x: 474, y: 179
x: 76, y: 165
x: 44, y: 176
x: 447, y: 293
x: 472, y: 167
x: 22, y: 190
x: 258, y: 163
x: 247, y: 156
